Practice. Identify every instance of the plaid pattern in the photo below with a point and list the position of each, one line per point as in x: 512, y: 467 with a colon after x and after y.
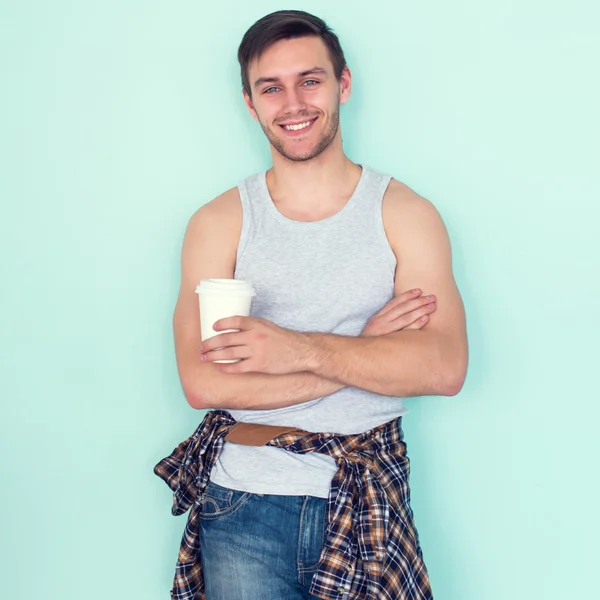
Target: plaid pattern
x: 372, y: 549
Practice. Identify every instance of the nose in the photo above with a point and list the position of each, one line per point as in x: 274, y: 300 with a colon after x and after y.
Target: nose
x: 293, y: 101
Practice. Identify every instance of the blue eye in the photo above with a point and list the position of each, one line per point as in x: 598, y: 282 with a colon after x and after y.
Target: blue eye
x: 310, y: 81
x: 268, y: 90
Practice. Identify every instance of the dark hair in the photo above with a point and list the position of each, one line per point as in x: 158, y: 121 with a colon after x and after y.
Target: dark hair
x: 284, y: 25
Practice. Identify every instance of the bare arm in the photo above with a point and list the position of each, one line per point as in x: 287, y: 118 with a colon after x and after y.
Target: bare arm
x: 209, y: 250
x: 406, y: 363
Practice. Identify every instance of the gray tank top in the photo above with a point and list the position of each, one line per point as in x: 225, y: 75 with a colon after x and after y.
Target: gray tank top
x: 327, y: 276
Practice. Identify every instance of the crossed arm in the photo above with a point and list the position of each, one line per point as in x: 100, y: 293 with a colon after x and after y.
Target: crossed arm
x: 282, y: 367
x: 429, y: 361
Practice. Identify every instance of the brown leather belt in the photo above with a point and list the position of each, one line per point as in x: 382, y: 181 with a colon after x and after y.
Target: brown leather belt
x: 255, y: 434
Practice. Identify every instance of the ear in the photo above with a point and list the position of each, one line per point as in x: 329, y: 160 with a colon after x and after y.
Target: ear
x: 249, y: 105
x: 345, y: 85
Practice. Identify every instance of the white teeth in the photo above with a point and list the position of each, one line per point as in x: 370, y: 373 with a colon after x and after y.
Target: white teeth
x: 297, y: 127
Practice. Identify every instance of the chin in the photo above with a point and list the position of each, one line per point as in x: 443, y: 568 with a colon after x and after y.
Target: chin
x: 300, y: 156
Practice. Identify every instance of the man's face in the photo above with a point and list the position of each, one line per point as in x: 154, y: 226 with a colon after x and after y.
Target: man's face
x: 296, y: 97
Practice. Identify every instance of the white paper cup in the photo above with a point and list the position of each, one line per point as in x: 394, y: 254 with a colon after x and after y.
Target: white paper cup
x: 219, y: 299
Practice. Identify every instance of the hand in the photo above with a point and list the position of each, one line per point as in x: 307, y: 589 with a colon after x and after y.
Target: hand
x: 410, y: 310
x: 263, y: 346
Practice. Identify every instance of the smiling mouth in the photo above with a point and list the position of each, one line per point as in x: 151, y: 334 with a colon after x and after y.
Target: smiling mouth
x: 297, y: 127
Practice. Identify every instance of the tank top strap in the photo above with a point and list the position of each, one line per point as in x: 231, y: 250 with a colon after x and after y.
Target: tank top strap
x: 372, y: 190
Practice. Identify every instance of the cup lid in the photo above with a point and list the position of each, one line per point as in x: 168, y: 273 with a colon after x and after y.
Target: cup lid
x: 231, y: 287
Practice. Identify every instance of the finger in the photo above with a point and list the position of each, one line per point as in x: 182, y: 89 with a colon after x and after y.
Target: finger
x: 404, y: 297
x: 237, y: 322
x: 408, y: 307
x: 405, y: 308
x: 222, y: 341
x: 405, y: 321
x: 232, y: 353
x: 388, y: 325
x: 419, y: 323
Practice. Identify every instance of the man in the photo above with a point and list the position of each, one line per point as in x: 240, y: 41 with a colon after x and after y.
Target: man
x: 326, y: 244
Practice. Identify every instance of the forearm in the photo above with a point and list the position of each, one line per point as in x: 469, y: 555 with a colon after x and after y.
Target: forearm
x: 406, y: 363
x: 255, y: 391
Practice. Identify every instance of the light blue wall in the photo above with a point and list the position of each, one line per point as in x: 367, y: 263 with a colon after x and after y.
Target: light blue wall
x: 120, y: 118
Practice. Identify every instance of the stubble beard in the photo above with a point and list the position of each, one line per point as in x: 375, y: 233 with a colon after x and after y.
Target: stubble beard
x: 323, y: 143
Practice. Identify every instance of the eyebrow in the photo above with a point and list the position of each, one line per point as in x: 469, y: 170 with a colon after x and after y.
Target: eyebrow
x: 314, y: 71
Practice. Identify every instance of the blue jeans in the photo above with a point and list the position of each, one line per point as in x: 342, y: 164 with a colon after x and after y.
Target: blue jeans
x: 260, y: 547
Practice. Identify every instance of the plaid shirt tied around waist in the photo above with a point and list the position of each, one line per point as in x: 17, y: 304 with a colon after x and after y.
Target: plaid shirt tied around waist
x: 372, y: 549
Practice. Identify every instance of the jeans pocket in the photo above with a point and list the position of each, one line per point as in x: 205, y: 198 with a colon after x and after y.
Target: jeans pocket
x: 217, y: 501
x: 313, y: 527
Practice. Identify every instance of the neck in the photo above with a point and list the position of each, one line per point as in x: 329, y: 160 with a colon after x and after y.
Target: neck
x: 319, y: 184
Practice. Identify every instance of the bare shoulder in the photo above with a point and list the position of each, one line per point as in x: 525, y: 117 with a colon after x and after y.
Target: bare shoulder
x: 209, y: 251
x: 223, y: 213
x: 411, y: 219
x: 211, y: 239
x: 401, y: 202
